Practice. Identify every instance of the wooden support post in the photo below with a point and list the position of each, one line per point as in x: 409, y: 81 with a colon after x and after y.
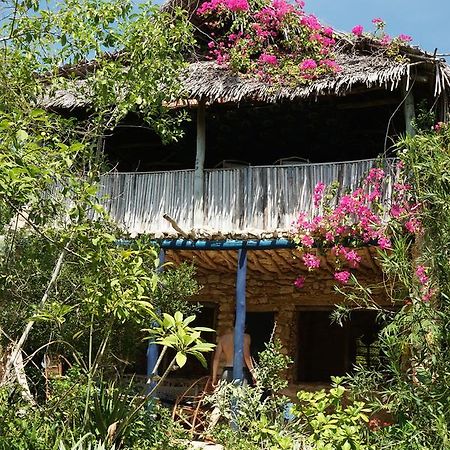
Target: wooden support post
x: 152, y: 349
x: 409, y: 110
x: 239, y: 327
x: 199, y: 181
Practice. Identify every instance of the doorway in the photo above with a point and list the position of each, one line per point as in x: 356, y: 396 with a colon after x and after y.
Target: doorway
x: 326, y: 349
x: 259, y: 327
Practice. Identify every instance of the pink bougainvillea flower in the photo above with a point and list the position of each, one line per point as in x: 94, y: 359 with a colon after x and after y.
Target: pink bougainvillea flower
x: 375, y: 175
x: 318, y: 193
x: 358, y: 30
x: 384, y: 243
x: 237, y: 5
x: 404, y: 38
x: 308, y: 64
x: 333, y: 65
x: 265, y: 58
x: 421, y: 274
x: 414, y: 225
x: 311, y: 261
x: 342, y: 277
x: 307, y: 241
x: 378, y: 21
x: 386, y: 40
x: 428, y: 294
x: 352, y: 257
x: 438, y: 127
x: 299, y: 282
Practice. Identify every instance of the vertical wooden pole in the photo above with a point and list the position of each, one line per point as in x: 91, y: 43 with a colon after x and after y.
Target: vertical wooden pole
x: 409, y: 110
x: 239, y: 328
x: 152, y: 349
x: 199, y: 165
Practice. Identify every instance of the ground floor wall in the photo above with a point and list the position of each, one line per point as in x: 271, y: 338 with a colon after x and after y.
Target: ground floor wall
x: 299, y: 317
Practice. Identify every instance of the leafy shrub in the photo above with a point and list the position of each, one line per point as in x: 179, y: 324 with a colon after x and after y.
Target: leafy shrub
x: 330, y: 421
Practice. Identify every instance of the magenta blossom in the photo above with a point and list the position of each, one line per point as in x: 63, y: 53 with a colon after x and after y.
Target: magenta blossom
x: 311, y: 261
x: 375, y: 175
x: 268, y: 59
x: 307, y: 241
x: 421, y: 274
x: 237, y: 5
x: 428, y: 294
x: 404, y: 38
x: 308, y: 64
x: 386, y: 40
x: 318, y: 193
x: 342, y: 277
x: 358, y: 30
x: 333, y: 65
x: 378, y: 21
x: 384, y: 243
x: 414, y: 226
x: 299, y: 282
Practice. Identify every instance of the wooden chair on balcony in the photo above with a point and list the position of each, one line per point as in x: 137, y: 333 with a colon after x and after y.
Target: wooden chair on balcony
x: 190, y: 409
x: 291, y: 161
x: 231, y: 164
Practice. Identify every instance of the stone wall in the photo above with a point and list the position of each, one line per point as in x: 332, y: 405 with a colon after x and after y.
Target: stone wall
x: 272, y: 293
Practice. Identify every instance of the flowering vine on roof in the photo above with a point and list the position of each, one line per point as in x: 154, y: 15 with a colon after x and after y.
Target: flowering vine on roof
x: 276, y: 40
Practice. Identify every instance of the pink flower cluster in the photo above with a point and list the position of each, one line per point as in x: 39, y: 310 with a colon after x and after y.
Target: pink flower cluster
x: 380, y: 35
x: 421, y: 274
x: 426, y: 291
x: 311, y: 261
x: 356, y: 221
x: 358, y: 30
x: 274, y: 37
x: 299, y: 282
x: 230, y: 5
x: 342, y: 277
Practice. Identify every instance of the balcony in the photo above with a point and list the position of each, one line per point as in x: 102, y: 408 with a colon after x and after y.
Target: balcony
x: 235, y: 201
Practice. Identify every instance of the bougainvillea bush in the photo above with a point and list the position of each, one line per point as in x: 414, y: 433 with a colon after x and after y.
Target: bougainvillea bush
x: 359, y: 218
x: 276, y: 40
x: 412, y: 235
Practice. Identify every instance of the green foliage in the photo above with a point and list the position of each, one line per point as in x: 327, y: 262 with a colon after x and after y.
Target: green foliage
x: 412, y: 384
x: 331, y: 424
x: 66, y: 285
x: 175, y: 332
x: 272, y: 364
x: 257, y: 423
x: 174, y: 286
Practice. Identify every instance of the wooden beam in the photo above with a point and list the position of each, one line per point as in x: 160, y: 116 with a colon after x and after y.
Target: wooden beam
x: 199, y: 166
x: 408, y: 109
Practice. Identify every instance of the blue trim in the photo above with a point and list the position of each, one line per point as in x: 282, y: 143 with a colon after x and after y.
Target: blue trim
x: 225, y: 244
x: 239, y: 327
x: 228, y: 244
x: 152, y: 349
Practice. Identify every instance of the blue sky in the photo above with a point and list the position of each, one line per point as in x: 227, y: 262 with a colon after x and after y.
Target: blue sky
x: 428, y: 22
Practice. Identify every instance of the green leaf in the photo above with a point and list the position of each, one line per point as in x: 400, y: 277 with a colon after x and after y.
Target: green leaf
x: 181, y: 359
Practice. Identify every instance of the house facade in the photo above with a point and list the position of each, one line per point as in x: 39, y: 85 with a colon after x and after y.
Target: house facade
x: 225, y: 196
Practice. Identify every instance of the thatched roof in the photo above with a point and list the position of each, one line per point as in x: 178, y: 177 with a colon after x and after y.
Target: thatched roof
x: 364, y: 64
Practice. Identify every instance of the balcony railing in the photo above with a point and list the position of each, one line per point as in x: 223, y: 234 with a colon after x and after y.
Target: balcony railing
x: 235, y: 200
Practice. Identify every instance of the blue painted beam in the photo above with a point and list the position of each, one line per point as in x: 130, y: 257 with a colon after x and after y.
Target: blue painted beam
x: 239, y: 327
x: 228, y: 244
x: 152, y: 349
